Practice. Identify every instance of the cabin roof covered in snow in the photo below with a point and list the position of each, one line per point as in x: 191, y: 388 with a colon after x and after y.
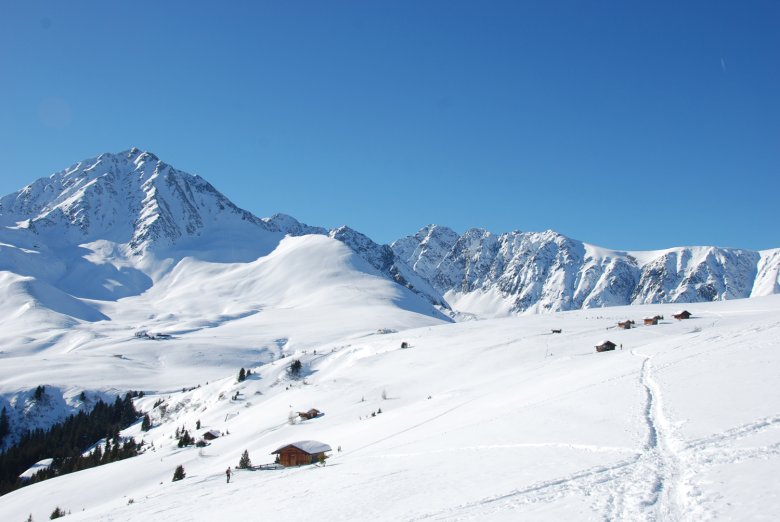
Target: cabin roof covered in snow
x: 309, y: 446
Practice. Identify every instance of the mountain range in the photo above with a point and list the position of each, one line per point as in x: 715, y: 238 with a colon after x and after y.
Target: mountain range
x: 110, y: 226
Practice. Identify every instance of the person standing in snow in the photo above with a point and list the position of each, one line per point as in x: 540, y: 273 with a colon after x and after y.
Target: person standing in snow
x: 227, y: 473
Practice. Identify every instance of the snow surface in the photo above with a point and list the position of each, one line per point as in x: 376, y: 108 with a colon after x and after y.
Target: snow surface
x: 483, y: 420
x: 35, y: 468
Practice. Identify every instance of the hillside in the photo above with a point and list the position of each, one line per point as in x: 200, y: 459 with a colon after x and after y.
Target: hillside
x: 220, y: 316
x: 485, y: 420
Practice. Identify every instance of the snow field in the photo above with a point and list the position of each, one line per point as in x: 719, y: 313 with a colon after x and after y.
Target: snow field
x: 682, y: 424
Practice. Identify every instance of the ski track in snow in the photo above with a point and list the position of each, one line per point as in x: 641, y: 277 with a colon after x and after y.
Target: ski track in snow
x: 657, y: 484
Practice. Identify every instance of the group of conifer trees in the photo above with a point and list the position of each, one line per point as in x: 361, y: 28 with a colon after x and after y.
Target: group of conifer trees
x: 67, y: 441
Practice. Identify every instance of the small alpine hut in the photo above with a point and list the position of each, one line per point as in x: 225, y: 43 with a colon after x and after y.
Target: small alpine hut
x: 212, y: 434
x: 312, y: 413
x: 651, y: 321
x: 605, y: 346
x: 625, y: 325
x: 301, y: 453
x: 682, y: 314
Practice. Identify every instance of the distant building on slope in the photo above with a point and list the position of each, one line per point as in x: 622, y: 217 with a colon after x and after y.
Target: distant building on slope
x: 682, y: 314
x: 312, y: 413
x: 625, y: 325
x: 605, y: 346
x: 212, y: 434
x: 301, y: 453
x: 651, y: 321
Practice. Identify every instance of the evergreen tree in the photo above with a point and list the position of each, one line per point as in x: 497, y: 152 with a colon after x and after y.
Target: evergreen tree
x: 146, y: 423
x: 295, y: 368
x: 129, y: 415
x: 245, y: 462
x: 39, y: 391
x: 5, y: 426
x: 185, y: 439
x: 197, y: 425
x: 57, y: 513
x: 241, y: 375
x: 179, y: 473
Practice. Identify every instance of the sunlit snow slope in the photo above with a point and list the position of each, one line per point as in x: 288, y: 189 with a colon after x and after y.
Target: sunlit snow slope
x: 487, y: 420
x: 309, y: 290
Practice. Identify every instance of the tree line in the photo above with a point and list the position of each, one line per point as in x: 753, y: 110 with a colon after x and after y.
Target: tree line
x: 66, y: 442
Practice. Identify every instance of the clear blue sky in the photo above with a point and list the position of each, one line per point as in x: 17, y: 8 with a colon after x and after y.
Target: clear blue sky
x: 627, y: 124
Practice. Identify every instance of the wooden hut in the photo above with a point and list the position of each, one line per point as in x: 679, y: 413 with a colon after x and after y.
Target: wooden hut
x: 651, y: 321
x: 301, y: 453
x: 625, y: 325
x: 312, y: 413
x: 211, y: 434
x: 605, y: 346
x: 682, y: 314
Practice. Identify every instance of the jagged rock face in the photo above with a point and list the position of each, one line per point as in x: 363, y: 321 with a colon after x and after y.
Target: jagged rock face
x: 545, y: 271
x: 380, y: 257
x: 425, y: 250
x: 131, y: 197
x: 384, y: 260
x: 697, y: 274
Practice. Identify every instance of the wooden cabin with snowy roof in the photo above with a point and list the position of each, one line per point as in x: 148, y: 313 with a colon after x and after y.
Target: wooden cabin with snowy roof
x: 212, y: 434
x: 301, y: 453
x: 651, y: 321
x: 625, y: 325
x: 605, y: 346
x: 682, y: 314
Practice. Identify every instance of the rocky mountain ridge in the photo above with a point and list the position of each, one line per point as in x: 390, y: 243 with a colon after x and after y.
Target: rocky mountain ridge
x: 546, y: 271
x: 131, y: 210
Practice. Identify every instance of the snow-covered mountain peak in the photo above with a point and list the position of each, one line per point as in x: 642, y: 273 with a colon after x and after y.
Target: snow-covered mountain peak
x: 128, y: 197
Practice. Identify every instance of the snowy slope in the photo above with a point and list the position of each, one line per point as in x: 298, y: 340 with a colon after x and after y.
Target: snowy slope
x: 488, y: 275
x: 483, y: 420
x: 309, y: 290
x: 768, y: 277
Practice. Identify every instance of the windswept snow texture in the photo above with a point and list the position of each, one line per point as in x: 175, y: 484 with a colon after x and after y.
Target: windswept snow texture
x: 488, y: 275
x: 495, y: 420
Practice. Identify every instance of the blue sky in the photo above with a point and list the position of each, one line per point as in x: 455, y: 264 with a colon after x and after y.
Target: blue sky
x: 634, y: 125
